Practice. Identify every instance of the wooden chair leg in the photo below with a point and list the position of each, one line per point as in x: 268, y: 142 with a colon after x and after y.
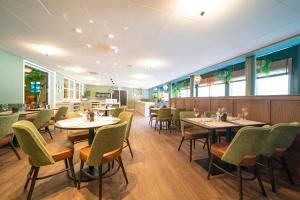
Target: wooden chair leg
x: 271, y: 174
x: 182, y: 139
x: 239, y: 173
x: 29, y: 176
x: 34, y: 176
x: 100, y: 181
x: 129, y: 148
x: 123, y: 169
x: 191, y: 147
x: 80, y: 174
x: 160, y: 126
x: 194, y: 143
x: 72, y: 170
x: 14, y: 149
x: 257, y: 175
x: 286, y: 168
x: 210, y: 166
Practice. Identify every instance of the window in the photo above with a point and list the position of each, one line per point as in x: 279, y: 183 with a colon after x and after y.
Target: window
x: 276, y: 82
x: 72, y: 89
x: 237, y: 88
x: 78, y: 90
x: 66, y: 88
x: 185, y: 92
x: 217, y: 90
x: 274, y: 85
x: 203, y: 91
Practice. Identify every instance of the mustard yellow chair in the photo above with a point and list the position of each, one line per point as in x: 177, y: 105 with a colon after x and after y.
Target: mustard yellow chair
x: 117, y: 111
x: 6, y: 132
x: 106, y: 147
x: 127, y: 117
x: 40, y: 153
x: 164, y: 118
x: 42, y: 120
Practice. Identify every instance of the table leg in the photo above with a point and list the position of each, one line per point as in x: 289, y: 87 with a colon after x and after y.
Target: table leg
x: 91, y: 135
x: 105, y: 113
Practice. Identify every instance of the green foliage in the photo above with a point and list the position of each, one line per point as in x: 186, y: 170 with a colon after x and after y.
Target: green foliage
x: 176, y: 87
x: 263, y: 66
x: 87, y: 93
x: 34, y: 76
x: 224, y: 74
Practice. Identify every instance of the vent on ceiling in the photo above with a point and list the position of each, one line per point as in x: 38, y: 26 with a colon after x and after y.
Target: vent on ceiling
x: 93, y: 73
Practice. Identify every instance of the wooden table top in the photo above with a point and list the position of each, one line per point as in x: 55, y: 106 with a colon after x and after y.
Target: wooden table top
x: 82, y: 123
x: 209, y: 123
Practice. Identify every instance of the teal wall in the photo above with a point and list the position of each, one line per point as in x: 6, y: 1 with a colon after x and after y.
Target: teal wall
x: 130, y: 92
x: 11, y: 78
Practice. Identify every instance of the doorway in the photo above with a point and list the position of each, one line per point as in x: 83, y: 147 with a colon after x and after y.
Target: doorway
x: 121, y: 96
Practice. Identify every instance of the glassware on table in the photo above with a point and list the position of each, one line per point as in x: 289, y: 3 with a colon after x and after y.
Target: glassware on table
x: 4, y: 107
x: 239, y: 116
x: 196, y: 111
x: 245, y: 114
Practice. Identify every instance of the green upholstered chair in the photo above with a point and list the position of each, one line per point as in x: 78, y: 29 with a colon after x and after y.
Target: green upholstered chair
x: 116, y: 112
x: 106, y: 147
x: 176, y: 118
x: 219, y: 132
x: 40, y: 153
x: 152, y: 114
x: 6, y: 132
x: 164, y: 118
x: 76, y: 136
x: 60, y: 114
x: 42, y: 121
x: 190, y: 132
x: 127, y: 117
x: 243, y: 151
x: 280, y: 139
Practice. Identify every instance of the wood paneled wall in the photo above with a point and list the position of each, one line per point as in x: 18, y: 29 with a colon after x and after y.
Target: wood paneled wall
x: 269, y: 109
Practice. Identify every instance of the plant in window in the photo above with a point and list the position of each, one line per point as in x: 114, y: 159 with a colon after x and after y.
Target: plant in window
x: 224, y: 74
x: 263, y: 66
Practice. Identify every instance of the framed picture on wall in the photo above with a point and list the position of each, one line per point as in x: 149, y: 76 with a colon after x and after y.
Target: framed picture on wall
x: 102, y: 95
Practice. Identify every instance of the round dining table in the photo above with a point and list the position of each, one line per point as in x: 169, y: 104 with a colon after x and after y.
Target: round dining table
x: 82, y: 123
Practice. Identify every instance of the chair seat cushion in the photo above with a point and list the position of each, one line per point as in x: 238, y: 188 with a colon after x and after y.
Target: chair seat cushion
x: 194, y: 133
x: 164, y: 118
x: 280, y: 152
x: 5, y: 139
x: 218, y: 150
x: 60, y: 150
x: 77, y: 135
x: 108, y: 157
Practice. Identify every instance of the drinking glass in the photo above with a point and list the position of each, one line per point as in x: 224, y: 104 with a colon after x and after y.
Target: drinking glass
x: 196, y: 112
x: 245, y: 114
x: 238, y: 116
x: 4, y: 107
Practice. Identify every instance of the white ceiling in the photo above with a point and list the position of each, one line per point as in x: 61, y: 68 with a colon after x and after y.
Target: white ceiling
x: 155, y: 31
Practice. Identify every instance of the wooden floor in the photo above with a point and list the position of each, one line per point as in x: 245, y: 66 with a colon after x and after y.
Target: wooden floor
x: 157, y: 171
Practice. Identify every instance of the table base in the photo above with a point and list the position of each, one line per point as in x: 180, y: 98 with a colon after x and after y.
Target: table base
x: 204, y: 163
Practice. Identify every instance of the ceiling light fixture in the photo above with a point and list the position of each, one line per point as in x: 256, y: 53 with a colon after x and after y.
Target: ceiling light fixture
x: 75, y: 69
x: 140, y: 76
x: 111, y: 36
x: 115, y: 64
x: 114, y: 50
x: 78, y: 30
x: 91, y: 21
x: 125, y: 28
x: 88, y: 46
x: 194, y: 8
x: 150, y: 63
x: 97, y: 61
x: 46, y: 49
x: 89, y: 78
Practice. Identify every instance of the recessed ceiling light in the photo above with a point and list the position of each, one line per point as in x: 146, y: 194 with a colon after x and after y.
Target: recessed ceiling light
x: 97, y: 61
x: 58, y: 66
x: 88, y: 46
x: 91, y: 21
x: 78, y: 30
x: 115, y: 64
x: 89, y: 78
x: 114, y: 49
x: 125, y: 28
x: 46, y: 49
x: 111, y: 36
x: 75, y: 69
x: 104, y: 73
x: 150, y: 63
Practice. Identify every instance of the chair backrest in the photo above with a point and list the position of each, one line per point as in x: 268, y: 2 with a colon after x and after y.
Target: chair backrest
x: 209, y: 113
x: 126, y: 117
x: 184, y: 125
x: 281, y: 136
x: 32, y: 143
x: 107, y: 139
x: 70, y: 115
x: 6, y: 122
x: 43, y: 117
x: 116, y: 112
x: 61, y: 113
x: 164, y: 112
x: 248, y: 141
x: 176, y: 113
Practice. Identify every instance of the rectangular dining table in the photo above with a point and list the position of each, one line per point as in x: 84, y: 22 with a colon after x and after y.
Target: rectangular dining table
x: 212, y: 125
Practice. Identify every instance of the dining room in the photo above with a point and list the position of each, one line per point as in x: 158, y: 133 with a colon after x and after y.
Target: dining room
x: 150, y: 99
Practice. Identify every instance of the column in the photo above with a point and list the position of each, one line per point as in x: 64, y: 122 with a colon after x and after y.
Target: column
x: 192, y: 80
x: 250, y: 71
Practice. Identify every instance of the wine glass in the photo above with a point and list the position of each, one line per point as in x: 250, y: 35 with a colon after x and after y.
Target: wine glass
x: 239, y: 116
x: 196, y: 111
x: 4, y: 107
x: 245, y: 114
